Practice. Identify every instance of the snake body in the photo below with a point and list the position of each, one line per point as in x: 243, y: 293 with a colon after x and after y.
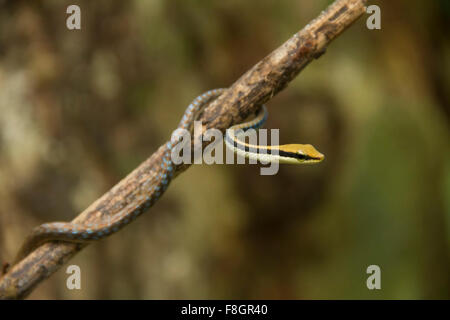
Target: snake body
x: 88, y: 232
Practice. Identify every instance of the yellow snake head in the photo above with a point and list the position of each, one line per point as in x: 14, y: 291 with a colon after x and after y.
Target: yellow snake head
x: 299, y: 153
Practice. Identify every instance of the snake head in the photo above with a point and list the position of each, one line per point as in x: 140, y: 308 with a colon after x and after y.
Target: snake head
x: 299, y: 153
x: 311, y: 155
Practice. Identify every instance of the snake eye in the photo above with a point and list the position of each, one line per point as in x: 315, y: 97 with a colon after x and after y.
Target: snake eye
x: 301, y: 155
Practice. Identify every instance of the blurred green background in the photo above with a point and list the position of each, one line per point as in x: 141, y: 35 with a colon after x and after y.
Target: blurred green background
x: 80, y: 109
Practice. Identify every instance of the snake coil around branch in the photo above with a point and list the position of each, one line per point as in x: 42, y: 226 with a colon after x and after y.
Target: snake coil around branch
x: 244, y: 97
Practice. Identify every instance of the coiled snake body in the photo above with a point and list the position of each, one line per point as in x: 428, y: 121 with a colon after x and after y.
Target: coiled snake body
x: 73, y: 232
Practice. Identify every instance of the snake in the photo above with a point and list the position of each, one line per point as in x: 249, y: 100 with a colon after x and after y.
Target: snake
x: 88, y: 232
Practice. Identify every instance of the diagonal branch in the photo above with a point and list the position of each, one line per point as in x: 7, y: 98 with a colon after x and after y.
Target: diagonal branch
x: 243, y: 98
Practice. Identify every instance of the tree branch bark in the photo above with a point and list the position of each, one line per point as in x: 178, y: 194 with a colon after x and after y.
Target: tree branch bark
x: 256, y: 86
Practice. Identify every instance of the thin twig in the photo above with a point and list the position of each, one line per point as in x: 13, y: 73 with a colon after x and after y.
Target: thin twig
x: 255, y: 87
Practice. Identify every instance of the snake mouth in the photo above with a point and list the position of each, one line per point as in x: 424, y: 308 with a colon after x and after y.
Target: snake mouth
x: 302, y: 157
x: 310, y: 159
x: 318, y: 158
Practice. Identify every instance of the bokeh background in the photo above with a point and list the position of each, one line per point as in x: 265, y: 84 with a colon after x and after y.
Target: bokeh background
x: 80, y: 109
